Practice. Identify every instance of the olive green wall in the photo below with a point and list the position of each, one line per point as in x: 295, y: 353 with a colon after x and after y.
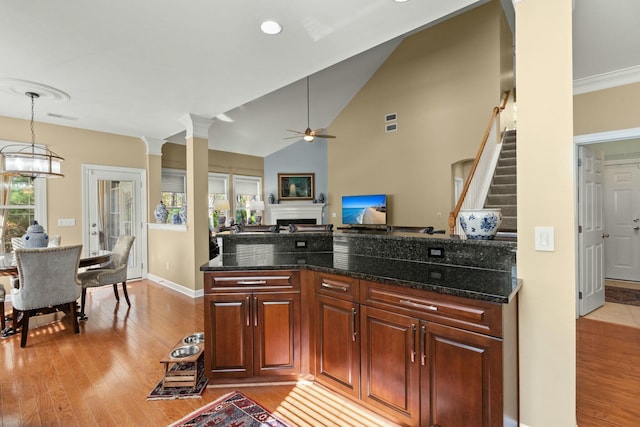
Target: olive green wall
x: 443, y: 83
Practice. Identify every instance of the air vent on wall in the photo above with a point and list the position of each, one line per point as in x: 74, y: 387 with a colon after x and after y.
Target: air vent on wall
x: 391, y: 127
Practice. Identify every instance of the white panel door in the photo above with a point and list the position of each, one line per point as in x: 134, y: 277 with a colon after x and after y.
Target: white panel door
x: 591, y: 239
x: 622, y: 213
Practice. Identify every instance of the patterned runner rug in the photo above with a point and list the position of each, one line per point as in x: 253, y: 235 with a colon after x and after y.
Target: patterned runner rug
x: 233, y: 409
x: 622, y: 295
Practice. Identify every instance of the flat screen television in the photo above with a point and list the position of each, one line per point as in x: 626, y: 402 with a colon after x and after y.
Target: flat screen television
x: 365, y: 209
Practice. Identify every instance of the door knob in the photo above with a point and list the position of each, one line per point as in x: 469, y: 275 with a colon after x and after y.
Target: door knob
x: 93, y: 233
x: 636, y: 219
x: 605, y: 235
x: 636, y: 228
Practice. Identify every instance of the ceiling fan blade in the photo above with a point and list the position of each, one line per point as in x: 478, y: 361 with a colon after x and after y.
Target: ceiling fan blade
x: 296, y: 131
x: 324, y: 136
x: 294, y: 137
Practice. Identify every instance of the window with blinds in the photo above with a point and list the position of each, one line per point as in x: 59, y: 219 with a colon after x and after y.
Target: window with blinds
x: 173, y: 190
x: 246, y: 189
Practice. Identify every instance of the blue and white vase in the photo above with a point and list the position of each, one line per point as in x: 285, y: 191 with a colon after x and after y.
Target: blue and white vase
x: 35, y: 237
x: 161, y: 213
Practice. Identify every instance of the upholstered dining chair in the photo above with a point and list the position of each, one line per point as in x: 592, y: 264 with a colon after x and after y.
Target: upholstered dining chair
x: 112, y: 273
x: 48, y: 278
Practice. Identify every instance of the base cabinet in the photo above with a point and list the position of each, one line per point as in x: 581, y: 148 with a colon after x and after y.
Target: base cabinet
x: 425, y: 359
x: 252, y: 328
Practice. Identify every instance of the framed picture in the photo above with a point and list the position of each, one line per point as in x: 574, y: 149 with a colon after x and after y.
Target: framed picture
x: 296, y: 186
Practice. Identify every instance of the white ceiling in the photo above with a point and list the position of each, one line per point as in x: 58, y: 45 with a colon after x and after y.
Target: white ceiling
x: 135, y: 67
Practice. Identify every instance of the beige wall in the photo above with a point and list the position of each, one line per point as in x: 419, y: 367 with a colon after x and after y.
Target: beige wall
x: 443, y: 83
x: 174, y: 156
x: 77, y: 147
x: 605, y: 110
x: 546, y: 195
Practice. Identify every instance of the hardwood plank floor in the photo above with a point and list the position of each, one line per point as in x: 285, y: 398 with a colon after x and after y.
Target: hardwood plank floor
x: 102, y: 376
x: 607, y: 374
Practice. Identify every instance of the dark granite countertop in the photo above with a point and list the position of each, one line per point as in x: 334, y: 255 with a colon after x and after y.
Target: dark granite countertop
x: 494, y: 285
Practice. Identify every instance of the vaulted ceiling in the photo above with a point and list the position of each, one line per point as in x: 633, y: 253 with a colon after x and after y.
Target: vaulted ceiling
x: 136, y: 67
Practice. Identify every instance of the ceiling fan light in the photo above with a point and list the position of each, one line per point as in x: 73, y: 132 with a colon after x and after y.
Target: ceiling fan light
x: 308, y: 138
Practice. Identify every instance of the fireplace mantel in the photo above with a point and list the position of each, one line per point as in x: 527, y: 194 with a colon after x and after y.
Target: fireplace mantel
x: 295, y: 210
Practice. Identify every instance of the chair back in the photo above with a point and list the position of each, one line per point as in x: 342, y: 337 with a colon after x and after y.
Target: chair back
x: 48, y: 277
x: 120, y: 252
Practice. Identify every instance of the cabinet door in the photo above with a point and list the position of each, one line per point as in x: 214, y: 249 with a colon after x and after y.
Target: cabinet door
x: 390, y: 368
x: 462, y: 378
x: 338, y: 345
x: 229, y: 343
x: 276, y: 336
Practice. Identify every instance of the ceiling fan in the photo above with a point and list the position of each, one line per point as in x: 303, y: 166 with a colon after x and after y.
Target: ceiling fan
x: 308, y: 135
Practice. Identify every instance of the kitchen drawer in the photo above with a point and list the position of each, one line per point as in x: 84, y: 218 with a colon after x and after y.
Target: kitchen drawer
x: 343, y: 287
x: 251, y: 281
x: 464, y: 313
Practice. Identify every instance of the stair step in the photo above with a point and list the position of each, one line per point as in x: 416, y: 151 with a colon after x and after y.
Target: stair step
x: 507, y: 210
x: 509, y: 223
x: 504, y: 179
x: 501, y: 200
x: 508, y: 189
x: 505, y: 170
x: 509, y: 161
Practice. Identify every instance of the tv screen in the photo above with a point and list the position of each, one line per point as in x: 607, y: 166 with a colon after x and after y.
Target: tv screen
x: 365, y: 209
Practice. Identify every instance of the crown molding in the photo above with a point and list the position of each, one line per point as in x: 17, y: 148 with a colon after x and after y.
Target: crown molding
x: 608, y: 80
x: 154, y: 145
x: 195, y: 125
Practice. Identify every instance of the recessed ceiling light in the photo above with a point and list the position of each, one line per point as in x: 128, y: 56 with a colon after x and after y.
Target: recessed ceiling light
x: 270, y: 27
x: 400, y: 1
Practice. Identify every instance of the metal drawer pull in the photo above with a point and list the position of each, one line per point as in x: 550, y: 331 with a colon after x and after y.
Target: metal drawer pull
x: 353, y: 324
x: 413, y: 342
x: 415, y: 304
x: 423, y: 345
x: 252, y: 282
x: 337, y: 287
x: 255, y: 311
x: 248, y: 311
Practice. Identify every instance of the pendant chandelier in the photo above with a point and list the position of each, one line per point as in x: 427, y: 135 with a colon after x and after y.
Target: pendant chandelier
x: 30, y: 160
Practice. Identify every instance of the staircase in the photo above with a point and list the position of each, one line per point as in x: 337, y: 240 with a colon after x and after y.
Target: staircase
x: 502, y: 192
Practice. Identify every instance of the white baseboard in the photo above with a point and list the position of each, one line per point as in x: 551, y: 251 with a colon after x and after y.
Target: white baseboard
x: 175, y: 286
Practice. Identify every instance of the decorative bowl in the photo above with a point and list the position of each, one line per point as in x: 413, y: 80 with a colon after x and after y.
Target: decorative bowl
x: 186, y: 351
x: 480, y: 224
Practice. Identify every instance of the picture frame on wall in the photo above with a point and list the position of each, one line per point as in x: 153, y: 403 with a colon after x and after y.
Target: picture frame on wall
x: 296, y: 186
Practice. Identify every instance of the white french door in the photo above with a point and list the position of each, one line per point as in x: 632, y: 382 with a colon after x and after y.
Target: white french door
x: 114, y: 205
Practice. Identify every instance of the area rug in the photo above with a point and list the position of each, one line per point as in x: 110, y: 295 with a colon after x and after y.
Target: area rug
x: 622, y: 295
x: 168, y: 393
x: 231, y: 410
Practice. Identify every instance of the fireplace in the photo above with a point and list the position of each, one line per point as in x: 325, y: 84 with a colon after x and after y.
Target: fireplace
x: 295, y: 213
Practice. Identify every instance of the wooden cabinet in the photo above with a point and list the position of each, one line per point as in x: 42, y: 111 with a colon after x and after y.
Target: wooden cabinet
x: 336, y: 330
x: 252, y: 326
x: 420, y: 367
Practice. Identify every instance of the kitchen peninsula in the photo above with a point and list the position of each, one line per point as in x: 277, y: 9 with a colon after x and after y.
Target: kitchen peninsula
x: 422, y: 329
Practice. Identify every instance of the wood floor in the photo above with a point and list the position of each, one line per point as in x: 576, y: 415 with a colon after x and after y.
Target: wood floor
x: 102, y: 376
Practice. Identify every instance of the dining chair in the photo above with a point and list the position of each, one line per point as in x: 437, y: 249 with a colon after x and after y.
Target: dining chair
x: 112, y: 273
x: 48, y: 279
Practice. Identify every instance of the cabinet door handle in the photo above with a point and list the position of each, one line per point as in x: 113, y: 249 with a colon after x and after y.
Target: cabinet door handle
x: 423, y: 345
x: 255, y: 311
x: 354, y: 333
x: 415, y: 304
x: 413, y: 342
x: 336, y: 287
x: 248, y: 311
x: 252, y: 282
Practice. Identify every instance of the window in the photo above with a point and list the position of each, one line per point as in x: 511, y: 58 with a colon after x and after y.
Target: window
x: 22, y: 200
x: 218, y: 190
x: 173, y: 190
x: 246, y: 189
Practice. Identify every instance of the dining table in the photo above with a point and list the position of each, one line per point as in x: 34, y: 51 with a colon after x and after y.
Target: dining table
x: 89, y: 259
x: 7, y: 268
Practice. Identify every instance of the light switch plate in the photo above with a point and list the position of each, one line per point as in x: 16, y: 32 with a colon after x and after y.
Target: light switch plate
x: 66, y: 222
x: 545, y: 239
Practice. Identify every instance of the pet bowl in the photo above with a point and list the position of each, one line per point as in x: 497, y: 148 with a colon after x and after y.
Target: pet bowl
x: 186, y: 351
x: 196, y: 338
x: 480, y: 224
